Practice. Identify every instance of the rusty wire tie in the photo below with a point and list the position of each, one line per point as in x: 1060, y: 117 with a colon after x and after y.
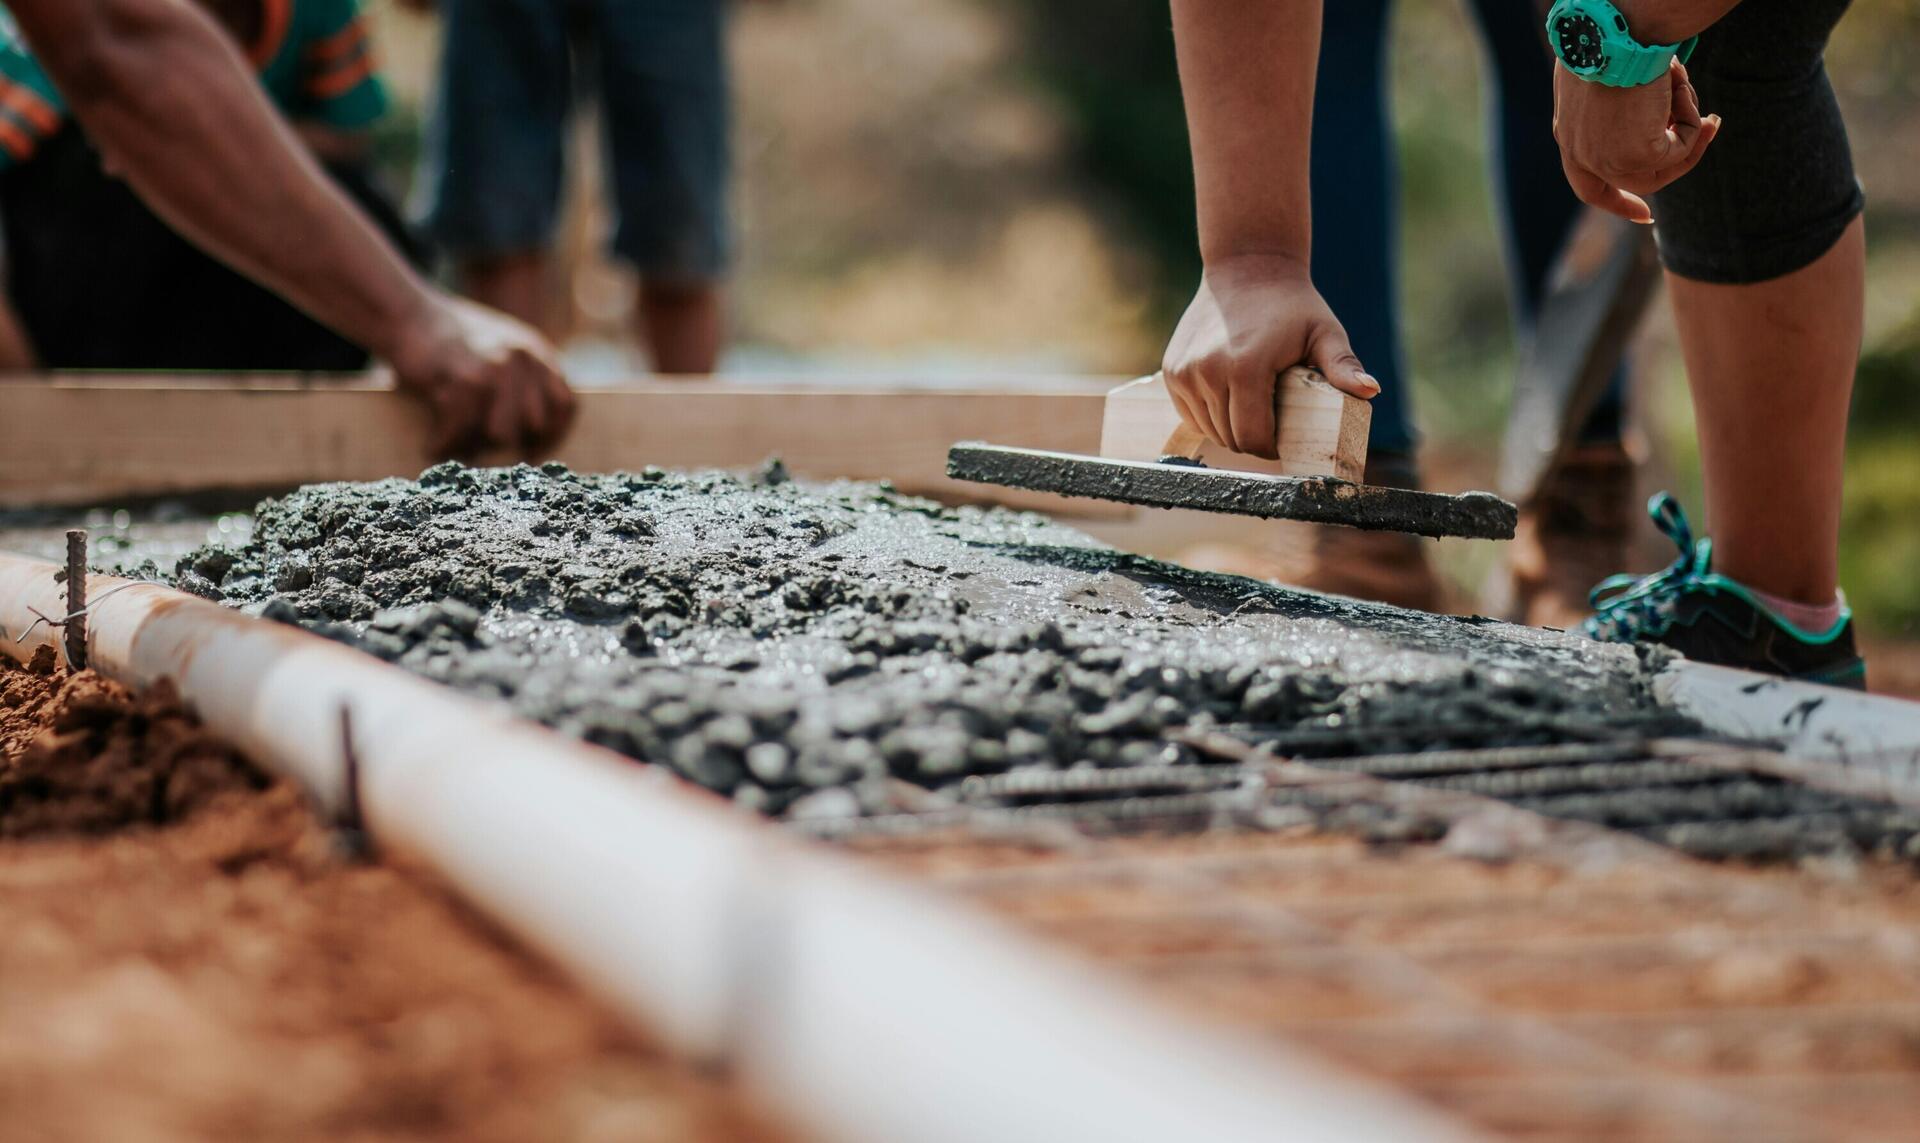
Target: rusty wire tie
x: 42, y: 617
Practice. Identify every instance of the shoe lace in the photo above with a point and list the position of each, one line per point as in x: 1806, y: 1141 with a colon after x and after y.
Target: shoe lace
x: 1628, y: 607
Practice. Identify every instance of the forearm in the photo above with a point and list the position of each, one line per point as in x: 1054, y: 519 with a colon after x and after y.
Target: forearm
x: 16, y: 348
x: 1247, y: 71
x: 176, y: 112
x: 333, y: 146
x: 1671, y: 21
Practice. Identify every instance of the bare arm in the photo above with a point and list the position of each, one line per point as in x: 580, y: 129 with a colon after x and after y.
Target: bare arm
x: 332, y: 145
x: 175, y: 111
x: 1247, y: 69
x: 16, y: 348
x: 172, y: 107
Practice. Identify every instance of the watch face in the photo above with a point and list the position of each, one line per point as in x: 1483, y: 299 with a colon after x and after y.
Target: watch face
x: 1579, y: 36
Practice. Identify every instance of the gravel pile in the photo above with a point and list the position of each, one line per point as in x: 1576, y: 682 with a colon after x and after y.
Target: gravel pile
x: 805, y: 648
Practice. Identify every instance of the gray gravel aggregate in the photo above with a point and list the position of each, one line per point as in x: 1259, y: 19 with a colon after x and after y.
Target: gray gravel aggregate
x: 769, y: 639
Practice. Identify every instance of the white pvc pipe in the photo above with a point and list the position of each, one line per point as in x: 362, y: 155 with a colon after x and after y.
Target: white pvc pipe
x: 1870, y: 733
x: 870, y: 1012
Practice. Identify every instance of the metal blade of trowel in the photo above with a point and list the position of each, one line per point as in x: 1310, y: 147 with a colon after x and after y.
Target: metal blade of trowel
x: 1150, y: 457
x: 1601, y: 288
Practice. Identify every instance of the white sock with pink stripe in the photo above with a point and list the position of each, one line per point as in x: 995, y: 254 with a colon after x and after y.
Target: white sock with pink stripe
x: 1812, y: 618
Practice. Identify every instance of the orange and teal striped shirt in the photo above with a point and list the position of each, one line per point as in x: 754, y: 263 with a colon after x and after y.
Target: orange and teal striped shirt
x: 315, y: 59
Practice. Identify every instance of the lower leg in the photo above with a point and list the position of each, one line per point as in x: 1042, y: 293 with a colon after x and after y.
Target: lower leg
x: 683, y: 326
x: 1771, y: 369
x: 514, y: 284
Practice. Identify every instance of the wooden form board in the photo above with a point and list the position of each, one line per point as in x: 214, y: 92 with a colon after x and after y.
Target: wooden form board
x: 1321, y: 431
x: 93, y: 439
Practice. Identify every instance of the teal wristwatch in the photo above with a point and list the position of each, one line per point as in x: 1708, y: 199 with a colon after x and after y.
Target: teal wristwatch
x: 1592, y: 41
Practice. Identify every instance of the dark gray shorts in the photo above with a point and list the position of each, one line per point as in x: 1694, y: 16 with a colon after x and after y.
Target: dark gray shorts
x: 1777, y: 188
x: 510, y: 78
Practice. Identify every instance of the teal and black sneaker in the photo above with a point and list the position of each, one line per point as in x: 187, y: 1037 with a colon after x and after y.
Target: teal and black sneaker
x: 1712, y: 619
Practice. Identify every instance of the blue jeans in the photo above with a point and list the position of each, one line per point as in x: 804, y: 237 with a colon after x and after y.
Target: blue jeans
x: 511, y: 73
x: 1356, y: 192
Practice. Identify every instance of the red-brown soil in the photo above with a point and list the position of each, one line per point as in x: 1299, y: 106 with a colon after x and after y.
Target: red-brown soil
x: 185, y: 954
x: 1634, y: 996
x: 83, y: 755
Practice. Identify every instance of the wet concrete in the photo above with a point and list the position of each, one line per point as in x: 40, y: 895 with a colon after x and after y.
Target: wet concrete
x: 1180, y: 484
x: 125, y: 537
x: 821, y: 649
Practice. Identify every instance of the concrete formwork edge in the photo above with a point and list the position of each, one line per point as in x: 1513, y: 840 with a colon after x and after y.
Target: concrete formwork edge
x: 864, y: 1010
x: 1870, y: 735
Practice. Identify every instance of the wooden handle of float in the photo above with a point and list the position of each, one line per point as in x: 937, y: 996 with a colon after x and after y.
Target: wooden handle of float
x: 1319, y: 431
x: 1187, y: 441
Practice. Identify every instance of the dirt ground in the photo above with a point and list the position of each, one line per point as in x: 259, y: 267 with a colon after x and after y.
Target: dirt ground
x: 1611, y: 992
x: 188, y: 955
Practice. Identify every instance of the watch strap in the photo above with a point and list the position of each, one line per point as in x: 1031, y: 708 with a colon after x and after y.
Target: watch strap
x: 1635, y: 65
x: 1628, y: 63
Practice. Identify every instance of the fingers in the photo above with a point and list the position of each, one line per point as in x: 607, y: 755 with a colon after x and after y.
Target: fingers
x: 503, y: 411
x: 1178, y: 391
x: 1332, y: 354
x: 1686, y: 98
x: 562, y: 407
x: 1687, y: 137
x: 1199, y: 392
x: 526, y: 407
x: 532, y: 396
x: 1708, y: 130
x: 1595, y: 191
x: 458, y: 422
x: 1206, y: 408
x: 548, y: 408
x: 447, y: 430
x: 490, y: 383
x: 1191, y: 384
x: 1250, y: 415
x: 1683, y: 136
x: 1617, y: 149
x: 1252, y: 318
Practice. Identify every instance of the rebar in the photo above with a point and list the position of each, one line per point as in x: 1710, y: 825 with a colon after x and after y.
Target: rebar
x: 1066, y: 783
x: 1436, y: 763
x: 1598, y: 777
x: 76, y: 621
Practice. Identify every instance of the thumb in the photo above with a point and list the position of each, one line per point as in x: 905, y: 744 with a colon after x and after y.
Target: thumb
x: 1332, y: 354
x: 1708, y: 130
x: 1595, y: 191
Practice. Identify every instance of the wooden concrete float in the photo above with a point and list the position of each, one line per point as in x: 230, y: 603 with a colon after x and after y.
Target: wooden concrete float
x: 866, y: 1010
